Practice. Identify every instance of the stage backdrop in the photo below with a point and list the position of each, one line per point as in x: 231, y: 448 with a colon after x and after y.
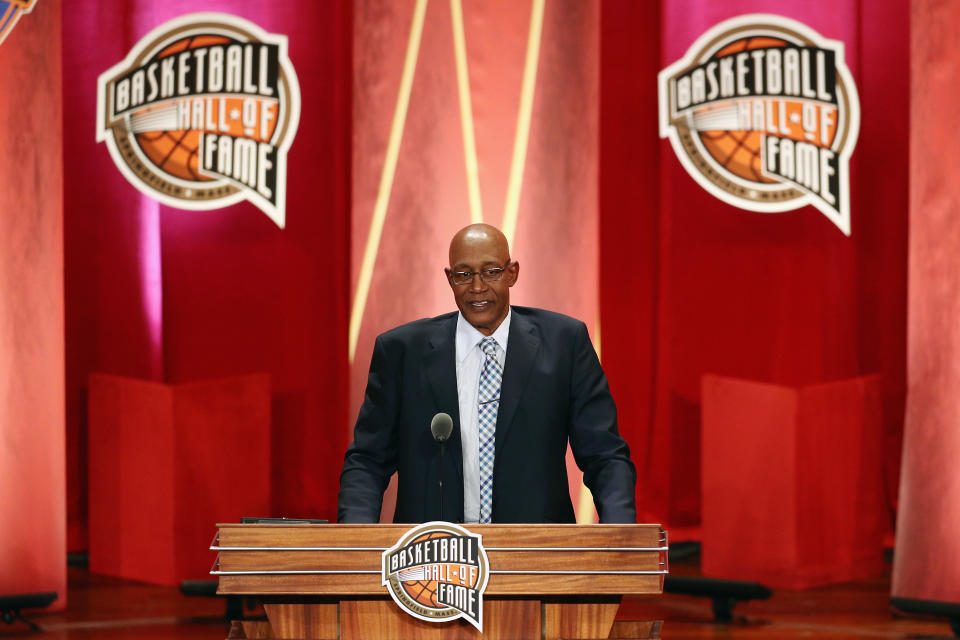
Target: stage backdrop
x: 164, y: 294
x: 32, y: 479
x: 691, y: 285
x: 511, y: 113
x: 927, y: 559
x: 470, y: 112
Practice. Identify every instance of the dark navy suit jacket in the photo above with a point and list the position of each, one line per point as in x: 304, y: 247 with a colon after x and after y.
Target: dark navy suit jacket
x: 553, y: 389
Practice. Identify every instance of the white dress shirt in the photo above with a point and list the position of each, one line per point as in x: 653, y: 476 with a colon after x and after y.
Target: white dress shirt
x: 470, y: 359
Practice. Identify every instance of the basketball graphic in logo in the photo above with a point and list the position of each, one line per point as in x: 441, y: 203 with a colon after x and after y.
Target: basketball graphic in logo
x: 763, y: 113
x: 176, y: 151
x: 437, y: 572
x: 202, y: 112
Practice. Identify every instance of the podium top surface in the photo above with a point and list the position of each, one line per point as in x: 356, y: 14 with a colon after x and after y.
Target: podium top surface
x: 341, y: 560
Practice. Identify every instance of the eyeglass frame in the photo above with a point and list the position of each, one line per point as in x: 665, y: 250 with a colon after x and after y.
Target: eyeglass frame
x: 473, y: 274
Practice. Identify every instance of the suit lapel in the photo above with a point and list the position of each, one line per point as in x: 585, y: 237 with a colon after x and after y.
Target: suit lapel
x: 440, y: 364
x: 522, y: 346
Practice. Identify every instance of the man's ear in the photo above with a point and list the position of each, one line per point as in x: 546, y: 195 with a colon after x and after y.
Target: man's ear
x: 513, y: 272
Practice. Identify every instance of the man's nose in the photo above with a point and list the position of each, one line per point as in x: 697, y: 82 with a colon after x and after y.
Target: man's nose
x: 477, y: 284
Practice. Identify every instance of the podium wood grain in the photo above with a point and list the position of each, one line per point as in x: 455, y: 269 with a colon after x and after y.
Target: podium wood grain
x: 579, y: 620
x: 316, y: 621
x: 383, y: 620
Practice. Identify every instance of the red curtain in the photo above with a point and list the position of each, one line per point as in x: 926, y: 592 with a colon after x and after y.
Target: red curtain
x: 690, y: 285
x: 927, y: 559
x: 159, y: 293
x: 32, y: 479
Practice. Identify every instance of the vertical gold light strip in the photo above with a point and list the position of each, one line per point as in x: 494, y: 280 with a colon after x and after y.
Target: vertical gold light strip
x: 386, y: 178
x: 523, y: 122
x: 596, y: 335
x: 466, y: 112
x: 586, y: 511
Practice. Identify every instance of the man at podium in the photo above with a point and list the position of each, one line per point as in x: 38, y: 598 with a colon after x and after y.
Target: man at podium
x: 517, y: 382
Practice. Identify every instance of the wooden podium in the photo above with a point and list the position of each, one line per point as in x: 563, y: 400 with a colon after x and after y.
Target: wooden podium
x: 546, y: 581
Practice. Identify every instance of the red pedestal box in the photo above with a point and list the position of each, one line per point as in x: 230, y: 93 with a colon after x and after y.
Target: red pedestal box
x: 168, y: 462
x: 792, y: 481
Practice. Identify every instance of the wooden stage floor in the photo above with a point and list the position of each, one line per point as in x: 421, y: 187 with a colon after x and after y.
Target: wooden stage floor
x: 101, y: 607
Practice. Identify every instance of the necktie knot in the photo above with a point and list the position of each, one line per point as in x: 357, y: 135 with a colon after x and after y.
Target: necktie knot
x: 489, y: 346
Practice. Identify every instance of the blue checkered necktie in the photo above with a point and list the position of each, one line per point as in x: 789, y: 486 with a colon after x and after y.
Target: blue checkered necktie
x: 488, y: 400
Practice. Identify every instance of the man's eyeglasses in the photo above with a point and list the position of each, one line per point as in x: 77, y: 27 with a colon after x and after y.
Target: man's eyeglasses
x: 487, y: 274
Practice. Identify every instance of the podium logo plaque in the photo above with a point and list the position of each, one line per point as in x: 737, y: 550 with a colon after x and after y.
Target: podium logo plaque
x: 437, y: 572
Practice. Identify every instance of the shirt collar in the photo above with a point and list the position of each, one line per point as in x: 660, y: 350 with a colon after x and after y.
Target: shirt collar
x: 469, y: 337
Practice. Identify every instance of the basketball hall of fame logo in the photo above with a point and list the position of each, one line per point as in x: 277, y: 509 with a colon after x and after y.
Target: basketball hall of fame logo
x: 437, y: 572
x: 10, y: 12
x: 201, y: 114
x: 763, y: 113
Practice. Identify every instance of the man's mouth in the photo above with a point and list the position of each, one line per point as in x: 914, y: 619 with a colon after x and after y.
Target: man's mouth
x: 480, y: 304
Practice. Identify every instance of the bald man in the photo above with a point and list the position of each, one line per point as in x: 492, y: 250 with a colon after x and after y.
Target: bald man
x: 519, y: 384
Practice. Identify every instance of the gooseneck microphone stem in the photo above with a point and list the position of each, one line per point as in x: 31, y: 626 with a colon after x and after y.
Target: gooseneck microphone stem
x: 443, y: 445
x: 441, y: 427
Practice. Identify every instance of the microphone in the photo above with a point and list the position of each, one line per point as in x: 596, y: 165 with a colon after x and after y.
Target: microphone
x: 441, y: 426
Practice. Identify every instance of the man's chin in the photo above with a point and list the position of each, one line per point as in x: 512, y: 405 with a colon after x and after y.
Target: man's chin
x: 485, y: 321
